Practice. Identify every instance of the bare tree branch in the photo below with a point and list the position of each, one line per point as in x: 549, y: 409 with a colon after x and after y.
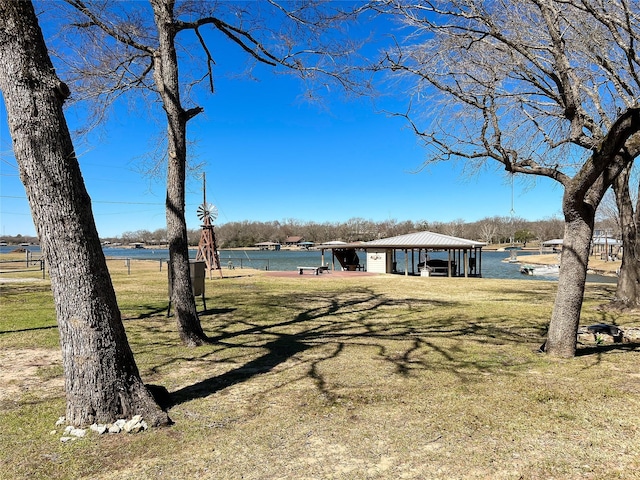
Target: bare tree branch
x: 544, y: 87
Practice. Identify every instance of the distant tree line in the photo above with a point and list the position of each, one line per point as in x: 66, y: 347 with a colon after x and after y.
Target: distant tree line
x: 491, y: 230
x: 18, y: 239
x: 248, y: 233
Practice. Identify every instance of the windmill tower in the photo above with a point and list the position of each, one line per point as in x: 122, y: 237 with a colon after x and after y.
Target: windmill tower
x: 208, y: 247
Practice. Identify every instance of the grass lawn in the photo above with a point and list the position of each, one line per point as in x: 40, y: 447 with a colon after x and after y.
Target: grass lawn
x: 379, y: 377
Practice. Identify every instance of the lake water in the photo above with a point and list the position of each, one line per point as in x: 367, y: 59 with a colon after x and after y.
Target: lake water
x: 493, y: 265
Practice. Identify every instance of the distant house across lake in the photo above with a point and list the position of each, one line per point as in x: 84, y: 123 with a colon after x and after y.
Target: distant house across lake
x: 293, y: 241
x: 268, y: 246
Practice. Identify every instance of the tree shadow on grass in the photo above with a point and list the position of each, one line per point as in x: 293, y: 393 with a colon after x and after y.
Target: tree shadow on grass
x: 148, y: 311
x: 404, y: 332
x: 217, y: 311
x: 611, y: 347
x: 284, y: 347
x: 278, y: 352
x: 151, y: 311
x: 29, y: 329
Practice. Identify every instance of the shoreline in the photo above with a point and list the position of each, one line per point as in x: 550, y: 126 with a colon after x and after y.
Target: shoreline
x: 595, y: 266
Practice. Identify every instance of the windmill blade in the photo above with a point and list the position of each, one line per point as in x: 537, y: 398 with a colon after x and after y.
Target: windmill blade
x: 207, y: 210
x: 213, y: 212
x: 202, y: 212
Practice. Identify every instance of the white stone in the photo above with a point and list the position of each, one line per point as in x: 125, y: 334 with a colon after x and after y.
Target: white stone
x: 78, y: 432
x: 68, y: 429
x: 60, y: 421
x: 134, y: 425
x: 99, y: 428
x: 133, y: 428
x: 631, y: 335
x: 115, y: 428
x: 66, y: 439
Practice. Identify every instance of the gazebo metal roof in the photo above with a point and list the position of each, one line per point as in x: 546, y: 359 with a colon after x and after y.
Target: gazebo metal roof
x: 423, y: 240
x: 554, y: 241
x: 606, y: 241
x: 332, y: 244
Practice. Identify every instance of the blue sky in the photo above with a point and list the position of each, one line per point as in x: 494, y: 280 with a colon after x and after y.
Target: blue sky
x: 268, y: 155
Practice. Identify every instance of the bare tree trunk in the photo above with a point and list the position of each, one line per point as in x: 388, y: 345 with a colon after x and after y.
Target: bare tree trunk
x: 628, y: 290
x: 582, y: 195
x: 563, y: 327
x: 167, y: 82
x: 102, y: 381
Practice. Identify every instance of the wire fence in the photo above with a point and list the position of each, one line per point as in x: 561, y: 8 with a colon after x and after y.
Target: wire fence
x: 36, y: 267
x: 136, y: 263
x: 30, y: 266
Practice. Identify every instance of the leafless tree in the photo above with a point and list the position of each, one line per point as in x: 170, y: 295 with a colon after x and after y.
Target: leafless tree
x: 102, y: 382
x: 134, y: 46
x: 544, y: 87
x: 628, y: 291
x: 455, y: 228
x: 488, y: 230
x: 607, y: 215
x: 547, y: 229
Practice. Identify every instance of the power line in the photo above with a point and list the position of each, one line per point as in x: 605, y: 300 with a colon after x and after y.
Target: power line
x: 103, y: 201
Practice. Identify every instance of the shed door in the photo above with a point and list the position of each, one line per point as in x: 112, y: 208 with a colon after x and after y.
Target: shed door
x: 378, y: 261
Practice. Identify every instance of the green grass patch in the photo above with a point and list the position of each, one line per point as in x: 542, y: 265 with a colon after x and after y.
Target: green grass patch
x: 369, y: 377
x: 27, y: 315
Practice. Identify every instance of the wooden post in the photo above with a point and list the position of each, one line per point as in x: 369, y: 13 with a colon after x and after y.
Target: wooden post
x: 406, y: 262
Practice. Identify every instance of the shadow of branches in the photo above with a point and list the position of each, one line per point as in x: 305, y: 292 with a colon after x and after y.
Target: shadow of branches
x: 408, y: 335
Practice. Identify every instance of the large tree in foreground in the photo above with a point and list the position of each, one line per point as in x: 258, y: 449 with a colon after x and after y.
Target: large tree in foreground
x: 543, y: 87
x: 102, y: 382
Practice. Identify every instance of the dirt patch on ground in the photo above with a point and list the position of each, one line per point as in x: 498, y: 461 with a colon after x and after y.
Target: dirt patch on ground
x: 21, y: 372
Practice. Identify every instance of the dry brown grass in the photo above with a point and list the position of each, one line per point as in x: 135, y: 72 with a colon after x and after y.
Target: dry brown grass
x: 380, y: 377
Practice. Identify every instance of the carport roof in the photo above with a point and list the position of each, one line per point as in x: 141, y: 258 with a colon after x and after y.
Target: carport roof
x: 423, y: 240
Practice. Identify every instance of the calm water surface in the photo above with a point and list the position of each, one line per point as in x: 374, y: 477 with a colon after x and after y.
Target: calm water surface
x: 493, y: 265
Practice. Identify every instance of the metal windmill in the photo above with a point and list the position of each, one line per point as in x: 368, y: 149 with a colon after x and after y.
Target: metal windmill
x: 208, y: 247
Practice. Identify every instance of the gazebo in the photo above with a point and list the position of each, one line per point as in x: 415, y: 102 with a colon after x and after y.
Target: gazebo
x: 425, y: 253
